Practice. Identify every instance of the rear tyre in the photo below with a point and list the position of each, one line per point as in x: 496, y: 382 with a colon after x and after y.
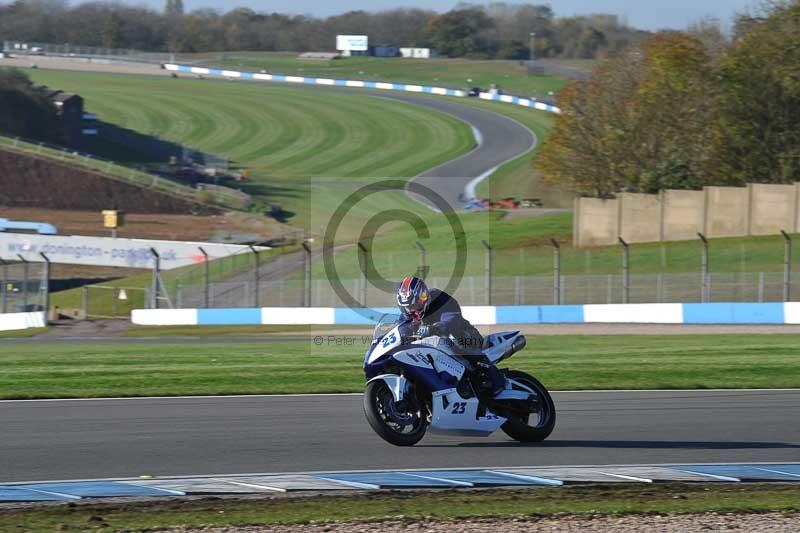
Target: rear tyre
x: 523, y: 428
x: 395, y: 422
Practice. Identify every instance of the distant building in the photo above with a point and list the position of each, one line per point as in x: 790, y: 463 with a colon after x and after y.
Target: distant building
x: 418, y: 53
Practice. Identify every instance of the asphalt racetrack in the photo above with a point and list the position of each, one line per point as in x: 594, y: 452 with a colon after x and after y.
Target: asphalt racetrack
x: 67, y: 439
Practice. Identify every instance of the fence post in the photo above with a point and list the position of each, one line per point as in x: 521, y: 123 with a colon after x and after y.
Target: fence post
x: 363, y: 262
x: 4, y: 289
x: 307, y: 285
x: 24, y: 283
x: 256, y: 276
x: 85, y: 302
x: 704, y: 296
x: 488, y: 272
x: 206, y: 278
x: 44, y: 287
x: 626, y: 287
x: 556, y: 271
x: 423, y: 259
x: 787, y: 266
x: 154, y: 283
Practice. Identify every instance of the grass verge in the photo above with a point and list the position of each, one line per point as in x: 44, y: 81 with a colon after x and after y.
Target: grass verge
x: 332, y: 363
x: 22, y: 333
x: 578, y: 500
x: 511, y: 76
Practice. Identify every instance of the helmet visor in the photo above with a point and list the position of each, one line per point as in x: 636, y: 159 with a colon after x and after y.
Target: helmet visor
x: 413, y: 308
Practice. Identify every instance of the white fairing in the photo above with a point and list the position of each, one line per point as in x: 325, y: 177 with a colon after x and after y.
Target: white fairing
x: 386, y: 343
x: 460, y: 415
x: 397, y: 384
x: 499, y: 344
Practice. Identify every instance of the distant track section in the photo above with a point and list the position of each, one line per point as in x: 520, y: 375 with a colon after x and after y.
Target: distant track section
x: 361, y: 84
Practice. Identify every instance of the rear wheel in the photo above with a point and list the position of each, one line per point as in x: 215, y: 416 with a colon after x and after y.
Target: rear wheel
x: 536, y: 425
x: 395, y: 422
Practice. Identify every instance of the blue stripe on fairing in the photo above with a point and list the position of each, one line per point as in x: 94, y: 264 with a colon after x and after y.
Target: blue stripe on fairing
x: 452, y: 92
x: 247, y: 75
x: 278, y: 77
x: 370, y: 316
x: 184, y: 69
x: 515, y: 100
x: 540, y: 314
x: 99, y: 489
x: 370, y: 85
x: 733, y: 313
x: 427, y: 89
x: 207, y: 317
x: 340, y: 83
x: 215, y: 72
x: 399, y: 87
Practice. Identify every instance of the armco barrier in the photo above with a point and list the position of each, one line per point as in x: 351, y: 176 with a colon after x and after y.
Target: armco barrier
x: 361, y: 84
x: 17, y: 321
x: 716, y: 313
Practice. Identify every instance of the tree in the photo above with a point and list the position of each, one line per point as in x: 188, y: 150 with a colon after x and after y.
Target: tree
x: 25, y: 110
x: 174, y: 8
x: 640, y: 123
x: 757, y: 136
x: 459, y: 32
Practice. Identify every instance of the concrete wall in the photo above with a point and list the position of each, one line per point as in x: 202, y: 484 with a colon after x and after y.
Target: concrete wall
x: 15, y: 321
x: 639, y: 217
x: 774, y: 208
x: 727, y: 211
x: 596, y: 222
x: 758, y: 209
x: 684, y: 214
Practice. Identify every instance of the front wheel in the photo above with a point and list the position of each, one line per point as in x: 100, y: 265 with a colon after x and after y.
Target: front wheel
x: 395, y: 422
x: 537, y: 425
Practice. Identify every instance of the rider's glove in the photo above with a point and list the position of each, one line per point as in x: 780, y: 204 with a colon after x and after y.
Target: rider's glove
x: 428, y: 330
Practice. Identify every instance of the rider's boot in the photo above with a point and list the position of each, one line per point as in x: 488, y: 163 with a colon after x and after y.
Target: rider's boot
x: 492, y: 380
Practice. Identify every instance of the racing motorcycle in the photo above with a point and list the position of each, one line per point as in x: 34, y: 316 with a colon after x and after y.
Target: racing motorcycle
x: 415, y: 384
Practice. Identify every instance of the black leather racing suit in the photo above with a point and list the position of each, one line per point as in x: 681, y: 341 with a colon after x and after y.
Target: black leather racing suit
x: 444, y: 318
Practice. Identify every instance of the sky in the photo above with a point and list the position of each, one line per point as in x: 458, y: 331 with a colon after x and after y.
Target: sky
x: 646, y: 14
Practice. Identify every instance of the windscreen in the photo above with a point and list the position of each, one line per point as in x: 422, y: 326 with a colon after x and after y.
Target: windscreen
x: 385, y: 324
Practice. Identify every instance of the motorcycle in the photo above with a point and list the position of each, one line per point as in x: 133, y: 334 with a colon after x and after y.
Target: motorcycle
x: 415, y: 384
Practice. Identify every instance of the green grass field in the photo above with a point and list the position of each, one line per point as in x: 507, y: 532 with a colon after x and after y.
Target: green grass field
x: 562, y: 363
x: 282, y: 135
x: 615, y: 500
x: 510, y: 76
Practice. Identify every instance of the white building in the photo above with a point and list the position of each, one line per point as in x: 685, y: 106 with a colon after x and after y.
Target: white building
x: 418, y: 53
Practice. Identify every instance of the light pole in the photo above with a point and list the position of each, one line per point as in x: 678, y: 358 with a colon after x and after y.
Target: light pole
x: 531, y: 50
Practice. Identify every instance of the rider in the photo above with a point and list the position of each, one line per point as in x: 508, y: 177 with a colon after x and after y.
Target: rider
x: 428, y: 312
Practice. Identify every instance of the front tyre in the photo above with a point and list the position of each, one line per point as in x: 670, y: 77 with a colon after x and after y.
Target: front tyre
x: 536, y: 425
x: 395, y: 422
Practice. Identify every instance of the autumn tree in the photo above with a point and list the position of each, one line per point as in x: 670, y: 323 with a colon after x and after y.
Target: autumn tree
x: 758, y: 135
x: 640, y: 123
